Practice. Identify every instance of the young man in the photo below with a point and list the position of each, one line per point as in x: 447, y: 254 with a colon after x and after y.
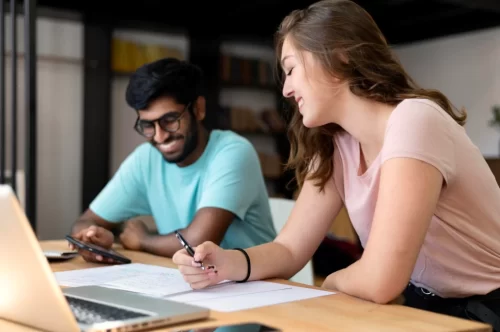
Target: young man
x: 208, y: 185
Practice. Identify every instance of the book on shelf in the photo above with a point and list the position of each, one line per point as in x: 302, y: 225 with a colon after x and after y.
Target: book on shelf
x: 127, y: 56
x: 246, y: 72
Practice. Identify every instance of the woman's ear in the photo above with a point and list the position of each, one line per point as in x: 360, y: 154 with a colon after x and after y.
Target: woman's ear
x: 200, y: 108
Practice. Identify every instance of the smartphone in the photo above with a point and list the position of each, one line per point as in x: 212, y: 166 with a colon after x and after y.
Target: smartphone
x: 245, y: 327
x: 98, y: 250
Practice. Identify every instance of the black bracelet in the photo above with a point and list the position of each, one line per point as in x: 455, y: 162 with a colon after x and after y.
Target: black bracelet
x: 249, y: 269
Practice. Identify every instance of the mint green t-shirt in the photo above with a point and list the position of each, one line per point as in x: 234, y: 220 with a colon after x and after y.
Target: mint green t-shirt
x: 226, y: 176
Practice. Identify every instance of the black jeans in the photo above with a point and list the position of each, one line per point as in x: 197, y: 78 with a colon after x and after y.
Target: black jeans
x: 482, y: 308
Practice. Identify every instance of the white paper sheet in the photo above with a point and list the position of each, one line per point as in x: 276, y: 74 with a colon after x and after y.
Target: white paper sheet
x: 228, y: 290
x: 94, y: 276
x: 141, y: 278
x: 169, y: 284
x: 262, y: 299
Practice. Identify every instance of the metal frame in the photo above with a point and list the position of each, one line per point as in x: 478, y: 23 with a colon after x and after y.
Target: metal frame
x: 30, y: 108
x: 30, y: 103
x: 3, y: 125
x: 96, y: 107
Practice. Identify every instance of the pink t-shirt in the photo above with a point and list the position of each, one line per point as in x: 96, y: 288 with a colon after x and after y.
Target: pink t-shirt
x: 460, y: 255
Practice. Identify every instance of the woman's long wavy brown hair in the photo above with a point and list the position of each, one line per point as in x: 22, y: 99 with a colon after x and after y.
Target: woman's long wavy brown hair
x: 333, y: 30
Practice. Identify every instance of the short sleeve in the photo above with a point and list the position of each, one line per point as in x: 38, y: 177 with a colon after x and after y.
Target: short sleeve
x: 125, y: 196
x: 233, y: 179
x: 421, y: 130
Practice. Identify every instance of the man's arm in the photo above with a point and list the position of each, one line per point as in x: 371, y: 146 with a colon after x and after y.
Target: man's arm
x: 231, y: 188
x: 209, y: 224
x: 89, y: 218
x: 122, y: 198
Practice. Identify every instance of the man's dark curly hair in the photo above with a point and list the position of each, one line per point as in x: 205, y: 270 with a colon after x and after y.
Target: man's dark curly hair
x: 168, y: 77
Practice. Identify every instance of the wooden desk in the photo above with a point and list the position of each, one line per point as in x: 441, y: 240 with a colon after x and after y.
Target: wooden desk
x: 328, y: 313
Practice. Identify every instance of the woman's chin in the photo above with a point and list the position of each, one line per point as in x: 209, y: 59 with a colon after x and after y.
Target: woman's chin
x: 310, y: 123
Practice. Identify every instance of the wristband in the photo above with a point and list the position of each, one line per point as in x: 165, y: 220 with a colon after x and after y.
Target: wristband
x: 248, y: 264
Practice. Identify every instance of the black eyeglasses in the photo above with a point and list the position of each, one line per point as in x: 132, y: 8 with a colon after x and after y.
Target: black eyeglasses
x: 169, y: 122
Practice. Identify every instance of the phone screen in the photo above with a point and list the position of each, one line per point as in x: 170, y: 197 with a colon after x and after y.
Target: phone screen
x: 109, y: 253
x: 245, y: 327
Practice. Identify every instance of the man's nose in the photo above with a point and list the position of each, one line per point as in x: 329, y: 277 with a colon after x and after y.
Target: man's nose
x: 160, y: 134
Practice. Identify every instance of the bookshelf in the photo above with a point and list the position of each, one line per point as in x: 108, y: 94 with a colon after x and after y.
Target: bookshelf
x: 247, y: 92
x: 237, y: 71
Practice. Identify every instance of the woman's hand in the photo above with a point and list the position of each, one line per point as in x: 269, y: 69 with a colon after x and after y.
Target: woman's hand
x: 206, y: 268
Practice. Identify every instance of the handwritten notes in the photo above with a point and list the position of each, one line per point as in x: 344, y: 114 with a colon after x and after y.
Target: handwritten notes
x: 169, y: 284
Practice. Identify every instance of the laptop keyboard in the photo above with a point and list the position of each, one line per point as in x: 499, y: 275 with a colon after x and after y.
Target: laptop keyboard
x: 87, y: 312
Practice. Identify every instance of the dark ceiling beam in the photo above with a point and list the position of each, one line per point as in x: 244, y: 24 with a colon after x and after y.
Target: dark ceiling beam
x: 251, y: 6
x: 394, y: 2
x: 431, y: 17
x: 259, y: 38
x: 487, y: 5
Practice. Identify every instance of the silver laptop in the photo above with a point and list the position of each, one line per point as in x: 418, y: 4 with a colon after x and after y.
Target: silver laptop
x: 30, y: 295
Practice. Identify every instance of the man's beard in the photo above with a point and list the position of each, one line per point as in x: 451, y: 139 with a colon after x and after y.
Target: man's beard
x: 190, y: 143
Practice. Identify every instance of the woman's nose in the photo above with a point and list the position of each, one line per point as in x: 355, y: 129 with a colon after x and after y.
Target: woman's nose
x: 287, y: 90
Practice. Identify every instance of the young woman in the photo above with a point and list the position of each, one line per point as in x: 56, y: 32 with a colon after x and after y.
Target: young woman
x: 419, y: 193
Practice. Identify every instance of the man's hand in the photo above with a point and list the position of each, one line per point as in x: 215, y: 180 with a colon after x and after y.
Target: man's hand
x: 96, y: 235
x: 134, y: 234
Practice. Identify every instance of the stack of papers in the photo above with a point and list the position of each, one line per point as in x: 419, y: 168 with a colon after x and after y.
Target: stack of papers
x: 162, y: 282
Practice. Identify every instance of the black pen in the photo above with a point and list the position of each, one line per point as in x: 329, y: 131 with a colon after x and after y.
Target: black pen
x: 186, y: 246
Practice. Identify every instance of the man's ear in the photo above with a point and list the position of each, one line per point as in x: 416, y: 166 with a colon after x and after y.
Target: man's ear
x: 199, y: 108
